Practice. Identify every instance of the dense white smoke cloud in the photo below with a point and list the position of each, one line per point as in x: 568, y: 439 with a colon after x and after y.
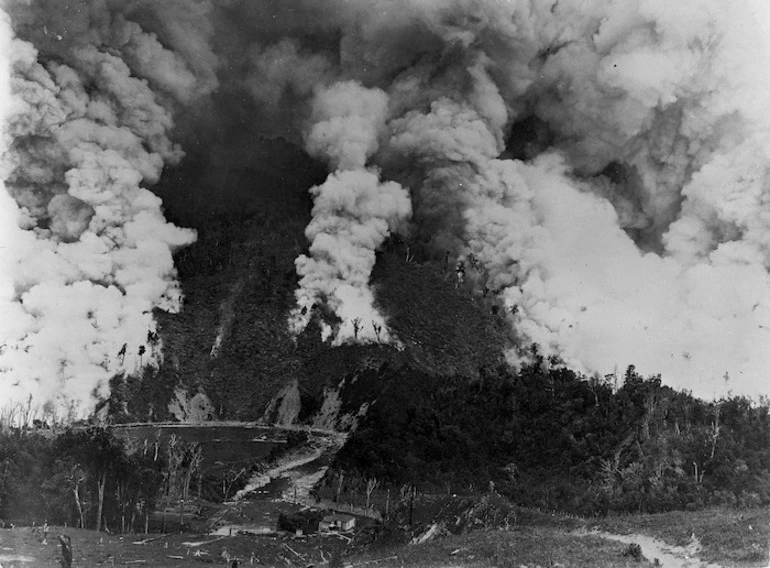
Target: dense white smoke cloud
x: 634, y: 230
x: 599, y: 166
x: 86, y: 250
x: 677, y: 94
x: 353, y: 212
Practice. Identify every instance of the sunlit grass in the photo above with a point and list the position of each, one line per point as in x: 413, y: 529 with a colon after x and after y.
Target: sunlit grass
x: 728, y: 537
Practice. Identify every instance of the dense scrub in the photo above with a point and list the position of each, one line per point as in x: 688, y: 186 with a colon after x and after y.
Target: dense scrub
x: 90, y: 478
x: 86, y: 478
x: 550, y: 438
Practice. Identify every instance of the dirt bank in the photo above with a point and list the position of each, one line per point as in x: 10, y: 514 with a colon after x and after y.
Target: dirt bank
x: 302, y: 468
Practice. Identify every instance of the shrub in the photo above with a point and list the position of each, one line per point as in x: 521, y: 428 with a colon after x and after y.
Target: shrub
x: 634, y: 551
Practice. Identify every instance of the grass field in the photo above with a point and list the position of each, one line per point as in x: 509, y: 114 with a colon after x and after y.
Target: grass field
x: 467, y: 531
x: 504, y: 548
x: 727, y: 537
x: 525, y: 546
x: 21, y: 548
x: 724, y: 537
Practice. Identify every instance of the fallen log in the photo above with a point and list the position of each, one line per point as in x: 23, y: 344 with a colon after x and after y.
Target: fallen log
x: 149, y: 540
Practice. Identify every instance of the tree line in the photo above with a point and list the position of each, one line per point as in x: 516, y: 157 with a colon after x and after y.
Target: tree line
x: 550, y: 438
x: 90, y: 478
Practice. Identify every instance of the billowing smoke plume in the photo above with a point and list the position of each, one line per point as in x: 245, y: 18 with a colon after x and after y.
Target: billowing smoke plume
x: 86, y: 250
x: 598, y: 168
x: 353, y: 212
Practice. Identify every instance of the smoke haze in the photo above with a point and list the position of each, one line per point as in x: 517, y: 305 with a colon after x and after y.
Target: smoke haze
x: 599, y: 168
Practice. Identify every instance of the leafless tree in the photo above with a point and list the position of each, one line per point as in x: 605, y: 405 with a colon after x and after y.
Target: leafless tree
x: 8, y: 415
x: 122, y: 353
x: 371, y: 485
x: 194, y: 458
x: 409, y: 254
x: 75, y: 477
x: 28, y: 412
x: 356, y: 327
x: 715, y: 429
x: 340, y: 481
x: 232, y: 475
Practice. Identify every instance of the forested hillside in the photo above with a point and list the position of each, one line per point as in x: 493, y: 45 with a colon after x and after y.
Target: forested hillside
x: 231, y: 340
x: 445, y: 412
x: 549, y: 438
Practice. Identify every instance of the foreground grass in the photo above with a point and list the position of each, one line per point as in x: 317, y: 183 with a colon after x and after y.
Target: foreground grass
x: 504, y: 548
x: 20, y: 547
x: 728, y: 537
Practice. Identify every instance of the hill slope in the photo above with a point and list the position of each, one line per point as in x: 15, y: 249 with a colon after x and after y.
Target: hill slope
x: 231, y: 341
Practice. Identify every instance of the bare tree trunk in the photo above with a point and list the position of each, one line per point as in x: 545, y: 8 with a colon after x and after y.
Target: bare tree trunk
x: 100, y: 507
x: 411, y: 504
x: 185, y: 490
x: 231, y: 481
x: 649, y: 410
x: 697, y: 474
x: 371, y: 485
x: 122, y: 505
x: 340, y: 480
x: 81, y: 517
x: 716, y: 428
x: 196, y: 456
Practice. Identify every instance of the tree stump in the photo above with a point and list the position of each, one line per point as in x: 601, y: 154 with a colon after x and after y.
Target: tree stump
x: 66, y: 551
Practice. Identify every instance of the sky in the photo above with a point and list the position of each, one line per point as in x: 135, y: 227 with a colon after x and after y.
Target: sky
x: 599, y: 167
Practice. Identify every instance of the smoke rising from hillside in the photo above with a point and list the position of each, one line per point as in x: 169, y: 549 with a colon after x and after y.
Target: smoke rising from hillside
x: 599, y: 167
x: 353, y: 212
x: 632, y: 231
x: 86, y: 249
